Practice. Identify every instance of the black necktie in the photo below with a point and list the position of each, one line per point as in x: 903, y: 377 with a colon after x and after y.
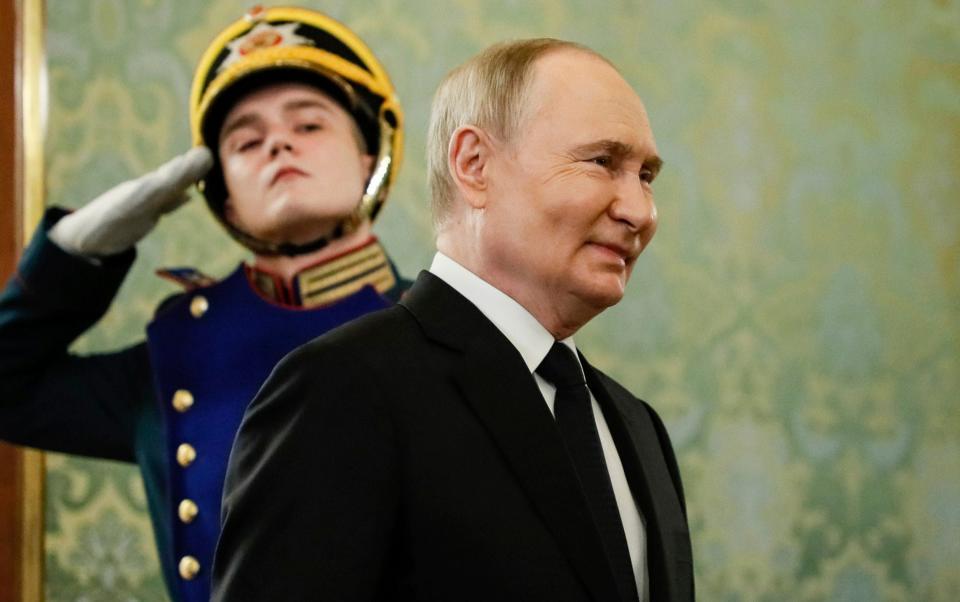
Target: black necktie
x: 578, y: 429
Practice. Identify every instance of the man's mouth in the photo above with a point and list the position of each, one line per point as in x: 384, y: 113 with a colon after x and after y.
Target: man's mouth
x: 616, y: 251
x: 285, y: 173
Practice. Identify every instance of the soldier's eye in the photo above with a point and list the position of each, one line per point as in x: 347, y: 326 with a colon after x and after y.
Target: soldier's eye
x: 248, y: 145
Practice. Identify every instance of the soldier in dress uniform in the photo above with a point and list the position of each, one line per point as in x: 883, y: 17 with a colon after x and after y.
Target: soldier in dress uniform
x: 306, y: 133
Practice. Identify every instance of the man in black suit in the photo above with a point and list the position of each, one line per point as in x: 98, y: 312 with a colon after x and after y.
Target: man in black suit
x: 447, y: 448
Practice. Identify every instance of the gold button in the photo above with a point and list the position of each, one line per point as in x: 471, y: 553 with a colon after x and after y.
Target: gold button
x: 199, y: 306
x: 189, y: 567
x: 186, y: 454
x: 187, y: 510
x: 182, y: 400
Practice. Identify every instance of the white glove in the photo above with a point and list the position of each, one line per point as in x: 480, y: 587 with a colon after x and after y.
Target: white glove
x: 117, y: 219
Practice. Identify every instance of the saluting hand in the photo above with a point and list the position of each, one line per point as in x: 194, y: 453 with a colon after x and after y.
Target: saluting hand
x: 117, y: 219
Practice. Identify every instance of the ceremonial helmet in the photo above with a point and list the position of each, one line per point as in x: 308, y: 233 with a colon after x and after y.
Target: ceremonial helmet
x: 274, y: 45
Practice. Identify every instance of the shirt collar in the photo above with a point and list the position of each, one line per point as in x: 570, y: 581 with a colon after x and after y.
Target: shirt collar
x: 330, y: 280
x: 531, y: 339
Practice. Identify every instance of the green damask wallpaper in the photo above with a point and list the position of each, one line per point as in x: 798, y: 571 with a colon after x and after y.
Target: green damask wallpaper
x: 796, y: 321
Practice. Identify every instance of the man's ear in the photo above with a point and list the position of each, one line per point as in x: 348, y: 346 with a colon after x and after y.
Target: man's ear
x: 468, y: 160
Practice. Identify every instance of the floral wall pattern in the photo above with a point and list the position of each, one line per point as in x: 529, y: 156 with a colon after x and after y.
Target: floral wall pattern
x: 796, y: 320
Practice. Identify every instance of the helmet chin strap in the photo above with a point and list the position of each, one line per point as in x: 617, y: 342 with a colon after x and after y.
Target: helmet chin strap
x: 367, y: 209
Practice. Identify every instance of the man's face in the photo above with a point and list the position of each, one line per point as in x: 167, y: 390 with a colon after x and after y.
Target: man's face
x: 570, y: 205
x: 292, y: 163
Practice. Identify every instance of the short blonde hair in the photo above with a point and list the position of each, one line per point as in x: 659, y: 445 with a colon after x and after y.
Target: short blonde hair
x: 489, y: 92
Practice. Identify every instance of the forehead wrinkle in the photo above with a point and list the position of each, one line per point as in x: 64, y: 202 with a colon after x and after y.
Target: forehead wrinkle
x: 615, y: 122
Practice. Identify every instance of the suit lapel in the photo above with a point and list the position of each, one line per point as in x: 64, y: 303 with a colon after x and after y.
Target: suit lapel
x: 639, y: 448
x: 495, y: 382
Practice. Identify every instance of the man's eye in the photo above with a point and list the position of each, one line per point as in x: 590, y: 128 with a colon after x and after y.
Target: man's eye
x: 602, y: 160
x: 248, y: 145
x: 647, y: 175
x: 309, y: 127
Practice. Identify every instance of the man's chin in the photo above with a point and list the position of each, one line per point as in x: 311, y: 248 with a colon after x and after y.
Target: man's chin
x: 601, y: 297
x: 605, y: 301
x: 603, y: 289
x: 301, y: 230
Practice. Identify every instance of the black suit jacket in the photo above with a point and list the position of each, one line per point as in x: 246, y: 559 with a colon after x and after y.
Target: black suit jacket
x: 409, y: 456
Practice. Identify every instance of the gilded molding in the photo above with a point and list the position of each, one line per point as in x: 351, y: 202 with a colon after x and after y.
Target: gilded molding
x: 32, y: 92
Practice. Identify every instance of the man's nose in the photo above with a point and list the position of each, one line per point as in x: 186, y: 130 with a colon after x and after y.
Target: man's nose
x: 279, y: 142
x: 633, y: 206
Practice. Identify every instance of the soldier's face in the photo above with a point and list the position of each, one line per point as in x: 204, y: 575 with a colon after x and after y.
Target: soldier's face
x: 292, y: 163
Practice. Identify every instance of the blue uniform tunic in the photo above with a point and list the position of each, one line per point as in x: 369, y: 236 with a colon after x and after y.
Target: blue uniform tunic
x: 219, y: 358
x: 172, y: 403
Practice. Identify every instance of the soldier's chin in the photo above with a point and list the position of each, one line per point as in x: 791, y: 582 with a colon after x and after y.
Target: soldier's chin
x: 303, y: 232
x: 300, y: 231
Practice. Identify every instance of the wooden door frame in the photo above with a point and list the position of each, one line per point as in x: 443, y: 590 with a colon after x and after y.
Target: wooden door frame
x: 23, y: 100
x: 10, y: 457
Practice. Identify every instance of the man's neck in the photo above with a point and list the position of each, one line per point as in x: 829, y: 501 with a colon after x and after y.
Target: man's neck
x: 561, y: 317
x: 288, y: 267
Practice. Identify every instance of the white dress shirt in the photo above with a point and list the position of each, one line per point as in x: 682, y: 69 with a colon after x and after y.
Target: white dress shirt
x: 533, y: 341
